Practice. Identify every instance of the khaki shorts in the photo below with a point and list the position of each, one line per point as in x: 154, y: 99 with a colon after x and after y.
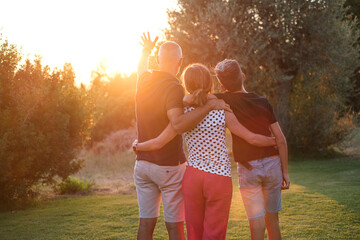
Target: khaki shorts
x: 153, y: 183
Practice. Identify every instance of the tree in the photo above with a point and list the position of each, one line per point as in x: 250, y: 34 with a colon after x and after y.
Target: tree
x: 113, y: 102
x: 353, y: 10
x: 43, y: 122
x: 284, y: 47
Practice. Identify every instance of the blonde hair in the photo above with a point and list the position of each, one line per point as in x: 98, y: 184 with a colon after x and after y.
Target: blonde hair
x: 197, y: 80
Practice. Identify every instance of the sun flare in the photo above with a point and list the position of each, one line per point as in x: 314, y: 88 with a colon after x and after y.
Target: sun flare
x: 84, y: 33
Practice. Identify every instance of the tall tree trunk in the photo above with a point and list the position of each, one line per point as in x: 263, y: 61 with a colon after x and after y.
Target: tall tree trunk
x: 282, y: 109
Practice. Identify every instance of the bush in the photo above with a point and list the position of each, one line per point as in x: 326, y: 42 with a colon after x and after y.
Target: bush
x: 315, y: 117
x: 43, y: 122
x: 72, y: 185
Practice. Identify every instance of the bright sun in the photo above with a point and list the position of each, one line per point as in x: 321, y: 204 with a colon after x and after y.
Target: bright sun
x: 84, y: 33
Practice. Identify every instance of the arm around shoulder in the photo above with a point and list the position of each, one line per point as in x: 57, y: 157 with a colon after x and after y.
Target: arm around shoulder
x: 238, y: 129
x: 184, y: 122
x: 159, y: 142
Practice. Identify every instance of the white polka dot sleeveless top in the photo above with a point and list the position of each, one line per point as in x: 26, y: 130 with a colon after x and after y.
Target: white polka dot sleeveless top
x: 207, y: 146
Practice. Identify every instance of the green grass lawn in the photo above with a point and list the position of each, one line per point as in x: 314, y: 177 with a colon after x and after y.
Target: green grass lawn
x: 323, y: 203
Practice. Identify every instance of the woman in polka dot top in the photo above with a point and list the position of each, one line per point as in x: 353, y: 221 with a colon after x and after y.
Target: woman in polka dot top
x: 207, y: 185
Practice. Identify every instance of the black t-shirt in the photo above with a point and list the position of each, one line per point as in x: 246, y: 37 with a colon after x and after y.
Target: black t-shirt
x: 156, y: 93
x: 256, y: 114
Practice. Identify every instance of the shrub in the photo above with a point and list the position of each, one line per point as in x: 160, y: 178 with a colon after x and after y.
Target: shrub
x: 315, y: 116
x: 72, y: 185
x: 43, y: 122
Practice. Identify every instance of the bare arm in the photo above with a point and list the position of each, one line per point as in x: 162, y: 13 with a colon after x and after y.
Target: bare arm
x: 169, y: 132
x: 148, y: 45
x: 238, y: 129
x: 283, y: 152
x: 182, y: 122
x: 156, y: 143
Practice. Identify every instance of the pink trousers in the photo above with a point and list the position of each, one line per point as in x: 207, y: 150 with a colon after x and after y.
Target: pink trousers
x: 207, y: 199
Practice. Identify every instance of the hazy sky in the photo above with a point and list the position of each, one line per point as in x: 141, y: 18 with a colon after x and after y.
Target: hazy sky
x: 81, y: 32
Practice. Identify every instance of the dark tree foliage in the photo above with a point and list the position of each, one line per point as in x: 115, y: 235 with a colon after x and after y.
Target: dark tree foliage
x: 353, y: 9
x: 43, y: 121
x: 299, y: 54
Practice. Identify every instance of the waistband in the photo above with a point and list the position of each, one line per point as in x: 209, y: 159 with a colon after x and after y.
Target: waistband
x: 254, y: 163
x: 171, y: 164
x: 265, y: 158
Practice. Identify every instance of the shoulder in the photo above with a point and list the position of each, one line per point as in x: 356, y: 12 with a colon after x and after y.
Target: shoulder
x: 175, y: 84
x: 168, y: 83
x: 166, y: 80
x: 259, y: 98
x: 264, y: 100
x: 255, y: 95
x: 144, y: 76
x: 220, y: 95
x: 265, y: 103
x: 174, y: 87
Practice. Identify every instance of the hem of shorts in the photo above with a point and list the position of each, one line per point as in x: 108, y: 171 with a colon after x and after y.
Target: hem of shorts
x: 259, y: 217
x: 149, y: 217
x: 174, y: 221
x: 256, y: 218
x: 276, y: 211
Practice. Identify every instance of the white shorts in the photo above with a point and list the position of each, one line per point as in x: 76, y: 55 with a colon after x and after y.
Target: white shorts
x: 153, y: 183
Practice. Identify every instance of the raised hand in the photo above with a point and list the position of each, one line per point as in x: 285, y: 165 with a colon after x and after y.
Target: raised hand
x: 148, y: 45
x: 146, y: 41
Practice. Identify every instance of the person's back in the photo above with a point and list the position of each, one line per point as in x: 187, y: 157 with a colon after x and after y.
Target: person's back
x: 158, y: 174
x: 256, y: 114
x: 262, y: 171
x: 206, y: 144
x: 157, y: 92
x: 207, y: 185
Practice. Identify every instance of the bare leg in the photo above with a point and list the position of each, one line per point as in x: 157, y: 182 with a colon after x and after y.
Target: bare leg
x: 272, y: 226
x: 175, y: 230
x: 257, y: 229
x: 146, y: 228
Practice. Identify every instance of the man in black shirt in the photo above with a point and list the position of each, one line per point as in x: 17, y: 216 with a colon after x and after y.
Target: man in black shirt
x: 158, y: 174
x: 262, y: 171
